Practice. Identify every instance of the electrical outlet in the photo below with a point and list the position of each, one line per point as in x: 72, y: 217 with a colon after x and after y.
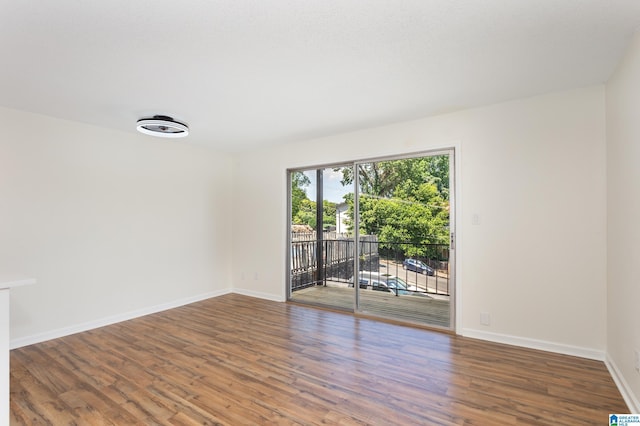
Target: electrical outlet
x: 255, y: 276
x: 485, y: 318
x: 637, y: 360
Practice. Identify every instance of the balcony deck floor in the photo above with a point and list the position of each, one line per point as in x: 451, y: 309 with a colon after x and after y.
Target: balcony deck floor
x: 421, y: 310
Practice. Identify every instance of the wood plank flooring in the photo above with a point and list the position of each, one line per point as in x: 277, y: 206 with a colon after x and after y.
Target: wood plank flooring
x: 236, y: 360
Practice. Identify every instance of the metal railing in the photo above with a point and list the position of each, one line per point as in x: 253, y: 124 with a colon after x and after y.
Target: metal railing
x: 375, y: 256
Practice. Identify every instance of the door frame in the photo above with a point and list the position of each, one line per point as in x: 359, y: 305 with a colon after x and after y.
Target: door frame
x: 454, y: 152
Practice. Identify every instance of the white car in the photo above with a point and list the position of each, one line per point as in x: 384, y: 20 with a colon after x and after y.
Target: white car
x: 383, y: 282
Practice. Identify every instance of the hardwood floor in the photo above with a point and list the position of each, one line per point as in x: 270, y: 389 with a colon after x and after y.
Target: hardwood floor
x: 238, y: 360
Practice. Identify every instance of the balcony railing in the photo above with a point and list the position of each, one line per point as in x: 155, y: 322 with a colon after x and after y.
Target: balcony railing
x: 375, y: 256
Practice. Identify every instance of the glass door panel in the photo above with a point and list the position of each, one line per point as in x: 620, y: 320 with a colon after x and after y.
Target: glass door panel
x: 404, y: 236
x: 321, y: 240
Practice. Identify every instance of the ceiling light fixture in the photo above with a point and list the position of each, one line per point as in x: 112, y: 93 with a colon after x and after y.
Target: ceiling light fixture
x: 162, y: 126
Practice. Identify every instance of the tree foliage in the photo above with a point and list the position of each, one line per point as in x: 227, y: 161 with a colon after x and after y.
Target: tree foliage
x: 303, y: 210
x: 403, y: 201
x: 329, y: 213
x: 420, y: 219
x: 298, y: 193
x: 307, y: 213
x: 382, y: 178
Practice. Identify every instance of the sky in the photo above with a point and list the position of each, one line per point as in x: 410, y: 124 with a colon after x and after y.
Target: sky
x: 333, y: 189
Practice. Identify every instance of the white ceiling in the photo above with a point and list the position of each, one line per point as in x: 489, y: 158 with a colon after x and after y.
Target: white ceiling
x: 248, y: 72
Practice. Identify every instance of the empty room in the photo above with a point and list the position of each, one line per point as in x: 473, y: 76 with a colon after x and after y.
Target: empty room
x: 319, y: 212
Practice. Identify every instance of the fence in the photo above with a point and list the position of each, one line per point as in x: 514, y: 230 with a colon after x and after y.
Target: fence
x: 338, y: 254
x: 337, y: 260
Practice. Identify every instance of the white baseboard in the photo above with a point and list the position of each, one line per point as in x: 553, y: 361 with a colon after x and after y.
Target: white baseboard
x: 535, y: 344
x: 66, y: 331
x: 627, y: 394
x: 259, y: 295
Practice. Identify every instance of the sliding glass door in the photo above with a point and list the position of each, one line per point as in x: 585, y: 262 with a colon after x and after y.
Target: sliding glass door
x: 374, y: 237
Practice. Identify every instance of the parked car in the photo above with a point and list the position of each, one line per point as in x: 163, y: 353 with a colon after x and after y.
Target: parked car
x: 387, y: 283
x: 418, y: 266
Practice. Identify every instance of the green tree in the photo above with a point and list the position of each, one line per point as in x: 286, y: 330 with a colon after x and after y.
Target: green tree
x: 329, y: 213
x: 307, y: 212
x: 382, y: 178
x: 298, y: 192
x: 403, y: 201
x: 438, y: 168
x: 419, y: 218
x: 374, y: 178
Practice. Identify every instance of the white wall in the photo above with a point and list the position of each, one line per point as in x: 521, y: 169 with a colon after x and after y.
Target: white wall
x: 114, y: 223
x: 623, y: 180
x: 533, y: 169
x: 110, y: 223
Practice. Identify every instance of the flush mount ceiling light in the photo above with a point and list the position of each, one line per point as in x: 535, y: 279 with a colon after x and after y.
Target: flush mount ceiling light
x: 162, y: 126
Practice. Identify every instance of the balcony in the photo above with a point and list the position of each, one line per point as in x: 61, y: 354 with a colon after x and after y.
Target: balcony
x: 421, y: 296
